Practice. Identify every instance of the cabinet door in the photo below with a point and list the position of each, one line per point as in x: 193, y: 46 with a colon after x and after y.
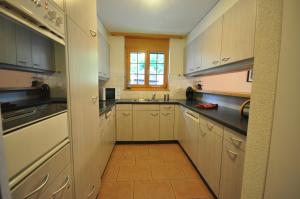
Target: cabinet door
x: 231, y: 172
x: 83, y: 73
x: 198, y: 53
x: 42, y: 53
x: 189, y: 57
x: 202, y: 155
x: 166, y: 125
x: 83, y: 13
x: 145, y: 125
x: 238, y: 32
x: 212, y: 45
x: 23, y: 44
x: 8, y: 51
x: 124, y: 125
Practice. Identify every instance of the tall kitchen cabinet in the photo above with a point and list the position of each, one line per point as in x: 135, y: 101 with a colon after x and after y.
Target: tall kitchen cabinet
x: 83, y: 95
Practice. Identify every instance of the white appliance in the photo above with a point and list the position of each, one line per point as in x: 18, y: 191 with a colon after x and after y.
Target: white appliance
x: 44, y: 16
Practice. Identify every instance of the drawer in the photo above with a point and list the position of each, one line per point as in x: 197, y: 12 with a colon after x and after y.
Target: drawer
x: 62, y: 187
x: 25, y: 146
x: 148, y: 107
x: 124, y: 107
x: 167, y: 107
x: 236, y: 139
x: 43, y: 176
x: 207, y: 125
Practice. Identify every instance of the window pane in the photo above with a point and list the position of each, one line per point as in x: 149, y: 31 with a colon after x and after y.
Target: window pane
x: 141, y: 58
x: 133, y: 69
x: 153, y: 58
x: 152, y: 80
x: 161, y: 58
x: 141, y: 79
x: 133, y: 57
x: 153, y: 69
x: 160, y: 69
x: 160, y: 80
x: 141, y: 69
x: 133, y: 79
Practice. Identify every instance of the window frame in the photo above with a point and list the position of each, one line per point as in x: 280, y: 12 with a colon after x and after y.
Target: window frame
x: 147, y: 86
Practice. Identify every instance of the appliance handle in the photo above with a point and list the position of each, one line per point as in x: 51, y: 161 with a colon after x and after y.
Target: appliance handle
x: 39, y: 187
x: 191, y: 116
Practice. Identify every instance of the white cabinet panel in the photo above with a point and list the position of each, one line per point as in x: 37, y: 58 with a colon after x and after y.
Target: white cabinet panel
x: 23, y: 45
x: 124, y: 125
x: 145, y: 125
x: 166, y: 125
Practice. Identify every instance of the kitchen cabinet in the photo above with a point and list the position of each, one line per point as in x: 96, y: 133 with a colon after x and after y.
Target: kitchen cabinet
x: 104, y: 67
x: 23, y: 46
x: 83, y: 95
x: 212, y: 39
x: 232, y: 165
x: 124, y: 122
x: 83, y: 14
x: 166, y: 125
x: 238, y: 32
x: 210, y: 152
x: 182, y: 126
x: 42, y: 53
x: 8, y: 51
x: 145, y: 122
x: 189, y: 57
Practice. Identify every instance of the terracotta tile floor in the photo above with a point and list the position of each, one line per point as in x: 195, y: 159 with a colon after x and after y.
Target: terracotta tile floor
x: 152, y: 171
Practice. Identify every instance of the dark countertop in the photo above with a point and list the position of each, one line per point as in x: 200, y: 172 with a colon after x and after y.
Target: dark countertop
x: 23, y: 113
x: 228, y: 117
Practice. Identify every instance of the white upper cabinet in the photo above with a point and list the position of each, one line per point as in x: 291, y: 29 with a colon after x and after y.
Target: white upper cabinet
x: 8, y: 42
x: 189, y: 57
x: 23, y: 41
x: 84, y: 14
x: 104, y: 67
x: 212, y: 45
x: 238, y: 32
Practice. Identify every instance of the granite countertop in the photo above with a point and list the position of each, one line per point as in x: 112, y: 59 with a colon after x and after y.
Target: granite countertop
x: 228, y: 117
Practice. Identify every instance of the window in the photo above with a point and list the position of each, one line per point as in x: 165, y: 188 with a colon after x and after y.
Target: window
x: 147, y: 64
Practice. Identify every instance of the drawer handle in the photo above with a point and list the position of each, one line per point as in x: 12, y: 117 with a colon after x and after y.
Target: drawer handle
x: 226, y: 59
x: 210, y: 127
x: 232, y: 154
x: 165, y: 114
x: 236, y: 142
x: 154, y: 114
x: 91, y: 193
x: 62, y: 187
x: 126, y: 114
x: 39, y: 187
x: 215, y: 62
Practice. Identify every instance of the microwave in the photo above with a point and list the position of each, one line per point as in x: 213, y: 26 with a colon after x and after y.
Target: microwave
x: 107, y: 94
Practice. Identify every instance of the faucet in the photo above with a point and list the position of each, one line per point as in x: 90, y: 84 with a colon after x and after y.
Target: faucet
x: 153, y: 96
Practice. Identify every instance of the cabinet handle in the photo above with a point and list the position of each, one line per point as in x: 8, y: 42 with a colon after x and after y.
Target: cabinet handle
x: 22, y: 62
x: 126, y: 114
x: 36, y: 64
x: 236, y: 141
x: 215, y: 62
x: 39, y: 187
x: 210, y: 127
x: 94, y: 99
x: 91, y: 193
x: 165, y: 114
x: 93, y: 33
x: 232, y: 154
x: 154, y: 114
x: 62, y: 187
x: 225, y: 59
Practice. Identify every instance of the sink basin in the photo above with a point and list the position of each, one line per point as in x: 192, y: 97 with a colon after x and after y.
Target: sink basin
x: 145, y: 100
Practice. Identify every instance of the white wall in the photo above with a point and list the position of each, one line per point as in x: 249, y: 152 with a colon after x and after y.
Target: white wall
x: 177, y: 83
x: 283, y: 179
x: 220, y: 8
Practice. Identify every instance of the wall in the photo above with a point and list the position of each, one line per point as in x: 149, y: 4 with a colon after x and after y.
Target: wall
x: 177, y: 83
x: 267, y: 48
x: 283, y: 177
x: 229, y: 82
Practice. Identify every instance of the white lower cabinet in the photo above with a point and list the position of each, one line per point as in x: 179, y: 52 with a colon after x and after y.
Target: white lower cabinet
x: 232, y: 166
x: 124, y: 122
x: 166, y: 125
x: 146, y: 125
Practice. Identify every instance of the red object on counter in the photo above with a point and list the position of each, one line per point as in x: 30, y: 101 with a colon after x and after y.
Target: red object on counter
x: 207, y: 106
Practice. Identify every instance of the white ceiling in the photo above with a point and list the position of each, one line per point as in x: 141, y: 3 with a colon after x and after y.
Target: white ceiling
x: 153, y: 16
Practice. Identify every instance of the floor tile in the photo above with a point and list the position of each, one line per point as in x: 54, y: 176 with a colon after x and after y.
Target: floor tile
x: 153, y: 190
x: 160, y: 172
x: 187, y: 189
x: 130, y: 173
x: 110, y: 174
x: 116, y: 190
